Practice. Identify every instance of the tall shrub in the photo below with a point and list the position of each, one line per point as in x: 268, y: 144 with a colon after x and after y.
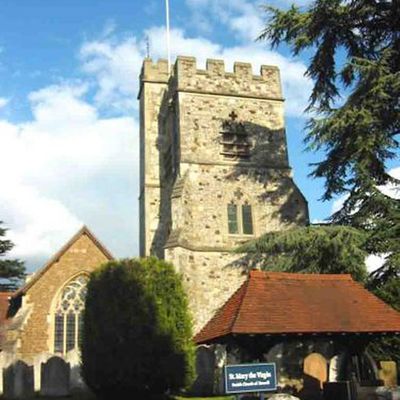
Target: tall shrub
x: 137, y: 330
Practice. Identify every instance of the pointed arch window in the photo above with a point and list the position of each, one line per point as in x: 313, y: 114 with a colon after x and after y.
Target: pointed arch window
x: 68, y: 321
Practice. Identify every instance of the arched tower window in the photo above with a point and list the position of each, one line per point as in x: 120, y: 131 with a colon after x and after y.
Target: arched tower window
x: 68, y: 321
x: 240, y: 218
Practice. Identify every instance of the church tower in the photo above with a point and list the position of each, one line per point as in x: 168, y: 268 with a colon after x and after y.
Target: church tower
x: 214, y: 171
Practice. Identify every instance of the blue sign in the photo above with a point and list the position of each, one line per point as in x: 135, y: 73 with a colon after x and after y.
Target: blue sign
x: 244, y: 378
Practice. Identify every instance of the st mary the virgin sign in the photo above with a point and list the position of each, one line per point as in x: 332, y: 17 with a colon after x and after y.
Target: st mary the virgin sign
x: 245, y: 378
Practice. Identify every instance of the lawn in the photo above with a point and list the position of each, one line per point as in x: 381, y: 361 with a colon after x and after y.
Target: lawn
x: 205, y: 398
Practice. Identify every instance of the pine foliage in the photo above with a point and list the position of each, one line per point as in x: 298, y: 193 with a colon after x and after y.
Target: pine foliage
x: 313, y: 249
x: 12, y: 271
x: 355, y: 103
x: 355, y: 47
x: 137, y: 339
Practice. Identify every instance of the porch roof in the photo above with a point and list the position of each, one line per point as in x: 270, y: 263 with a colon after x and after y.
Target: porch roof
x: 275, y: 303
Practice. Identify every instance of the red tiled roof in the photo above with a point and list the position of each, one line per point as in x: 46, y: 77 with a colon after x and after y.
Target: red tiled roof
x: 284, y: 303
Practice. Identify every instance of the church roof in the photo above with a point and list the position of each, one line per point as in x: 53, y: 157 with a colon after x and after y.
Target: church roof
x: 83, y: 231
x: 275, y: 303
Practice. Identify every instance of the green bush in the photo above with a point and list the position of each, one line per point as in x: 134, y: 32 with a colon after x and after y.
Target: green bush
x: 137, y: 330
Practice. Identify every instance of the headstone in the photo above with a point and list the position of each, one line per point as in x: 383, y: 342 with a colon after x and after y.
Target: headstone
x: 283, y: 396
x: 315, y: 366
x: 315, y: 373
x: 18, y: 381
x: 388, y: 373
x: 55, y: 375
x: 205, y: 364
x: 37, y: 369
x: 335, y: 367
x: 76, y: 381
x: 220, y: 361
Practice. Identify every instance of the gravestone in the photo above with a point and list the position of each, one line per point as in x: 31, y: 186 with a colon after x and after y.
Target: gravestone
x: 388, y: 373
x: 336, y: 365
x: 55, y: 374
x: 76, y: 382
x: 205, y: 364
x: 37, y: 369
x: 18, y: 381
x: 315, y: 373
x: 220, y: 361
x: 315, y: 366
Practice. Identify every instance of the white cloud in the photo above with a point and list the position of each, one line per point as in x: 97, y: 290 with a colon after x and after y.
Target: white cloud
x: 373, y: 262
x: 59, y: 171
x: 116, y: 65
x: 338, y: 203
x: 3, y: 102
x: 391, y: 189
x: 71, y: 165
x: 39, y: 223
x: 243, y: 18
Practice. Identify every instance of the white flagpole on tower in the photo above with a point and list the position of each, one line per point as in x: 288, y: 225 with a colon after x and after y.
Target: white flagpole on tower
x: 168, y: 39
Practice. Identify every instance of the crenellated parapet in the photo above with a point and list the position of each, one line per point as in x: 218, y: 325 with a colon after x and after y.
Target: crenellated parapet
x: 216, y: 80
x: 185, y: 76
x: 154, y: 71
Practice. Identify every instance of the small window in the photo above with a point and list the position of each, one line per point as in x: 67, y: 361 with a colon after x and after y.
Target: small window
x: 240, y: 219
x: 232, y: 219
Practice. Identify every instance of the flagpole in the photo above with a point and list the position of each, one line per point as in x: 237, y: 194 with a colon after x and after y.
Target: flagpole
x: 168, y: 39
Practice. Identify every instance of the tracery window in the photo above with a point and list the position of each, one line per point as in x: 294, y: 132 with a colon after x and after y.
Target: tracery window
x: 68, y: 322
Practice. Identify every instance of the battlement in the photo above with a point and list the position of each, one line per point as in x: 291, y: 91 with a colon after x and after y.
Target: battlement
x: 186, y: 77
x: 154, y: 72
x: 216, y: 80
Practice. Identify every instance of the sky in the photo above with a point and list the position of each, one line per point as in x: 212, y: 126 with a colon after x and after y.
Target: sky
x: 69, y: 122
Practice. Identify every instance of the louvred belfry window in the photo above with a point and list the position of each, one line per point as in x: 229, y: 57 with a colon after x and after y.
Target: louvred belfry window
x: 68, y: 323
x: 234, y: 141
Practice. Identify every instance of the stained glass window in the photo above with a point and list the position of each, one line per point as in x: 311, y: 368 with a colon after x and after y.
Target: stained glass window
x: 68, y: 315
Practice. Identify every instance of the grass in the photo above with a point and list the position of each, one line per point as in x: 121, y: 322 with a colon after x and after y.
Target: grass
x: 85, y: 396
x: 204, y: 398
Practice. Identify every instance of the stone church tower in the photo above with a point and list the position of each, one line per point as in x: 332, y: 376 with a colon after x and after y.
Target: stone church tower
x: 214, y: 171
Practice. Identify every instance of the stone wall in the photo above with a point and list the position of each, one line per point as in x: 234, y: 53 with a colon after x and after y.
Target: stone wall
x: 31, y: 330
x: 153, y: 84
x: 199, y: 211
x: 209, y: 278
x: 197, y: 179
x: 202, y: 118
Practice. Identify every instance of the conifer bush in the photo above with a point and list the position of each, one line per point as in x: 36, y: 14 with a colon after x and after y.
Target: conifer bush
x: 137, y: 334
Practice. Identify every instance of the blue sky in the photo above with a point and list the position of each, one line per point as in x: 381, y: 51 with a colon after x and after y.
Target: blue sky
x: 69, y: 115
